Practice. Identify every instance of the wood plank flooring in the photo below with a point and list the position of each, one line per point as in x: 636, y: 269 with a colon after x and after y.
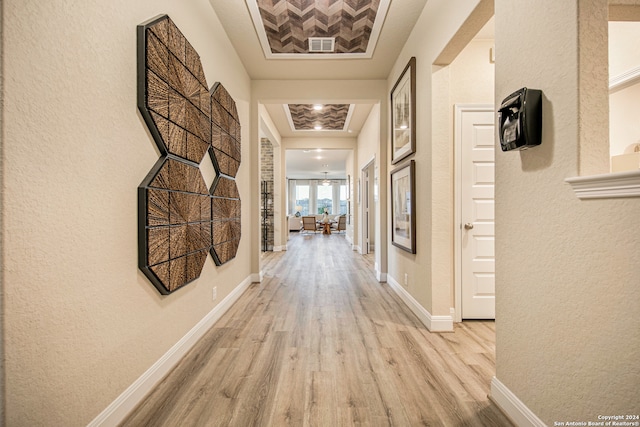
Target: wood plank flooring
x: 321, y: 343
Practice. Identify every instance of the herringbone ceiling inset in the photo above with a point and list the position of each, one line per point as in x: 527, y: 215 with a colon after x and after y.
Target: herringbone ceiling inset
x: 290, y: 23
x: 330, y: 117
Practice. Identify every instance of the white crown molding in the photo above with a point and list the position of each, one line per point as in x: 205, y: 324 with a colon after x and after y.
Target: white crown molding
x: 513, y: 407
x: 116, y: 412
x: 624, y: 80
x: 606, y: 186
x: 433, y: 323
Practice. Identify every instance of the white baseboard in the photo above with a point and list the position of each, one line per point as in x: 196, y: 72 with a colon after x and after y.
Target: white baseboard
x: 512, y: 406
x: 115, y: 413
x: 454, y: 315
x: 433, y: 323
x: 382, y: 277
x: 279, y: 248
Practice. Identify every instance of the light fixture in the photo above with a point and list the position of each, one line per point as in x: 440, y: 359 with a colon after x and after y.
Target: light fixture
x: 325, y: 181
x: 317, y: 107
x: 317, y: 127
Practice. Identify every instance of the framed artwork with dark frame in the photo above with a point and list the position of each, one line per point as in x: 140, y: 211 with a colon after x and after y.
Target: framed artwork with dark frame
x: 403, y: 206
x: 403, y: 114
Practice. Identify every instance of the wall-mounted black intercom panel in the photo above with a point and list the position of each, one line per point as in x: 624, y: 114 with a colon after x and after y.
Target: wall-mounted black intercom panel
x: 520, y: 120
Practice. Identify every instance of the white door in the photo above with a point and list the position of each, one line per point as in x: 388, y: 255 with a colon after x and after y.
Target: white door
x: 477, y: 237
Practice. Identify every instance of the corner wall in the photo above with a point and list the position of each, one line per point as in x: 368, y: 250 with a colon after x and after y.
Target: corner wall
x: 429, y: 277
x: 368, y: 150
x: 567, y: 271
x: 81, y: 323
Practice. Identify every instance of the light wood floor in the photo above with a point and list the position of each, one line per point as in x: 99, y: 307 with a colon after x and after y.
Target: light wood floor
x: 321, y: 343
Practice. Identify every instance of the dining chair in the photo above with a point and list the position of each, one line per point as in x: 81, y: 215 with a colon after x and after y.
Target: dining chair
x: 309, y: 223
x: 341, y: 224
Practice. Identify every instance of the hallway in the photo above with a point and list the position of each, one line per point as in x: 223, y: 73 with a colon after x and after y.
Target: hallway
x: 321, y: 343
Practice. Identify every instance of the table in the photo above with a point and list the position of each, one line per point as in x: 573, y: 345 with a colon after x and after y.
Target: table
x: 326, y: 228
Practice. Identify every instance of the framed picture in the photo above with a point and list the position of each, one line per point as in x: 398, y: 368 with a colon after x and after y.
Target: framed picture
x: 403, y: 206
x: 403, y: 114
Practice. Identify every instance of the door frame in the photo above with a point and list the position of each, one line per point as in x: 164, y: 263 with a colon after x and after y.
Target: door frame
x: 364, y: 189
x: 457, y: 225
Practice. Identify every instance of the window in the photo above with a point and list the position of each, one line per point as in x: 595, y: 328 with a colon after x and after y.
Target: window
x: 325, y: 198
x: 311, y: 197
x: 343, y: 199
x: 302, y: 198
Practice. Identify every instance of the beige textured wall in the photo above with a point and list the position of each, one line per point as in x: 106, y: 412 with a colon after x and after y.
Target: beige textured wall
x: 472, y: 75
x: 624, y: 104
x: 567, y: 271
x: 81, y: 322
x: 436, y: 26
x: 368, y: 149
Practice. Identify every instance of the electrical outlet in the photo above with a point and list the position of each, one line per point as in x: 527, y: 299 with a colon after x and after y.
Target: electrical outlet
x: 406, y: 279
x: 215, y: 293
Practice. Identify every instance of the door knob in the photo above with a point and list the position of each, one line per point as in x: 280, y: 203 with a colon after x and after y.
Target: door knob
x: 468, y: 226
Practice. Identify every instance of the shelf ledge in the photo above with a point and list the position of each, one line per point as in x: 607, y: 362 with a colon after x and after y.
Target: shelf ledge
x: 606, y: 186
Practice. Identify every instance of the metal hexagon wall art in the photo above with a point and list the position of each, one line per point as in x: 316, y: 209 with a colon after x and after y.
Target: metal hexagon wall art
x: 179, y: 219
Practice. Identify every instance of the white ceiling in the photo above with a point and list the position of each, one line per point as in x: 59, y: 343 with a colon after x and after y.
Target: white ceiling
x: 311, y: 164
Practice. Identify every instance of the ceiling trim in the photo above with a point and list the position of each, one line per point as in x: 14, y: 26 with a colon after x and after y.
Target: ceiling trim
x: 256, y: 18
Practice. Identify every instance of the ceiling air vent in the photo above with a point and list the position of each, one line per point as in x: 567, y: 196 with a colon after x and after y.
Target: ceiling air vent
x: 321, y: 44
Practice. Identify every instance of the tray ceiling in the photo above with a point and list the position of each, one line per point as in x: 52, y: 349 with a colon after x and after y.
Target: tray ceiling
x: 285, y: 26
x: 318, y: 117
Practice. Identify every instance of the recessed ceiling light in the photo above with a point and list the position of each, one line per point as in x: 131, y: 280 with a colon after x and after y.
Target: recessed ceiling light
x: 317, y: 107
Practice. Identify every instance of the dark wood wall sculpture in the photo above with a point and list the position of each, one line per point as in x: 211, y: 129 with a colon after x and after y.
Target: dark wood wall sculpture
x: 179, y: 219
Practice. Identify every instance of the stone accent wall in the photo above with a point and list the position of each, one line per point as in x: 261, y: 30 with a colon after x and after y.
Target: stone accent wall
x: 266, y: 200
